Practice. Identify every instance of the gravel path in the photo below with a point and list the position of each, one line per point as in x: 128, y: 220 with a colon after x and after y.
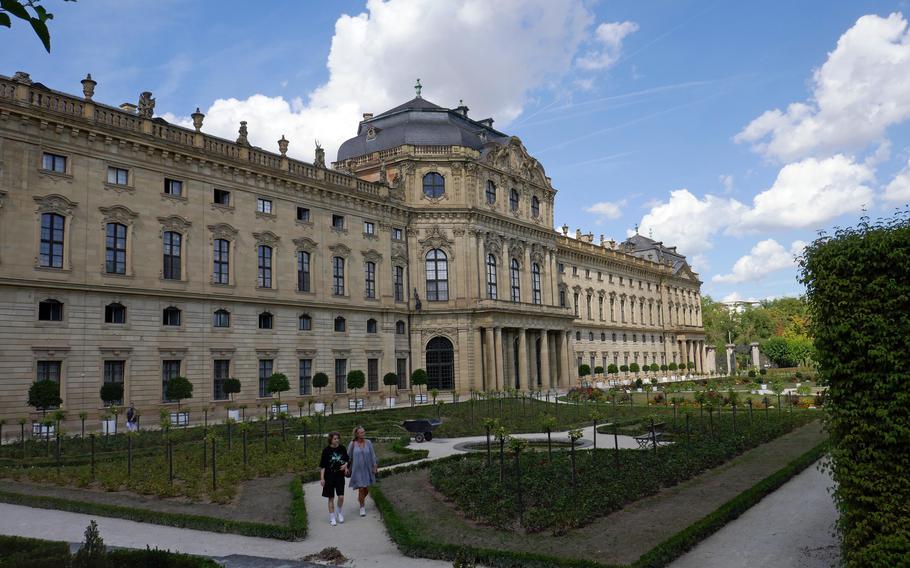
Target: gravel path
x: 791, y: 528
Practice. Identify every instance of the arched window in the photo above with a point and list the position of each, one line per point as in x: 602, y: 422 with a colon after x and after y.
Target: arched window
x: 434, y: 185
x: 50, y: 310
x: 265, y: 266
x: 266, y: 320
x: 51, y: 253
x: 304, y: 322
x: 491, y: 192
x: 338, y: 276
x: 535, y: 283
x: 513, y: 200
x: 491, y: 277
x: 437, y: 276
x: 535, y: 207
x: 115, y: 249
x: 371, y: 326
x: 340, y: 324
x: 221, y: 256
x: 171, y: 316
x: 370, y: 279
x: 577, y: 336
x: 603, y: 336
x: 221, y: 318
x: 173, y: 245
x: 399, y: 327
x: 440, y: 364
x: 303, y: 271
x: 514, y: 280
x: 115, y: 313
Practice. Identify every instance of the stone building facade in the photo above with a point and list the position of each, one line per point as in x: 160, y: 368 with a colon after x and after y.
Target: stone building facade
x: 133, y: 250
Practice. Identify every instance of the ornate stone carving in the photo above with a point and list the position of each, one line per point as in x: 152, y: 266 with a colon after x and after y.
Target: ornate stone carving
x: 174, y: 223
x: 306, y: 244
x: 223, y: 231
x: 372, y: 255
x: 516, y: 250
x: 243, y: 133
x: 512, y: 157
x: 340, y: 249
x: 267, y: 238
x: 319, y: 156
x: 449, y: 333
x: 146, y: 105
x: 118, y: 214
x: 436, y: 239
x: 493, y: 244
x: 55, y: 204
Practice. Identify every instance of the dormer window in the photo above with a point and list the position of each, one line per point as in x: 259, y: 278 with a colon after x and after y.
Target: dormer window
x: 434, y: 185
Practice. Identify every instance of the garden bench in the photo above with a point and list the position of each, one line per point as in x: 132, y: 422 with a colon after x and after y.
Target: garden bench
x: 647, y: 439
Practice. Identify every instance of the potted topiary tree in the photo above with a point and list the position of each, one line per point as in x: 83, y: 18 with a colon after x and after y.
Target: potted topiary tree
x: 320, y: 381
x: 419, y: 378
x: 111, y: 394
x: 356, y: 380
x: 278, y: 383
x: 44, y: 395
x: 638, y: 384
x: 390, y: 380
x: 583, y: 371
x: 231, y: 387
x: 664, y: 368
x: 178, y: 389
x: 654, y: 367
x: 634, y: 368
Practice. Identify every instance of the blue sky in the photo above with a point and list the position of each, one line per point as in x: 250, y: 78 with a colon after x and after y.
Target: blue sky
x: 734, y: 130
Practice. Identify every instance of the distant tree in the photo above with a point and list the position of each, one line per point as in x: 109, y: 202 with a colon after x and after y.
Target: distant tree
x: 419, y: 378
x: 356, y: 380
x: 320, y: 381
x: 634, y: 368
x: 390, y: 380
x: 44, y: 394
x: 279, y: 383
x: 612, y: 368
x: 664, y: 367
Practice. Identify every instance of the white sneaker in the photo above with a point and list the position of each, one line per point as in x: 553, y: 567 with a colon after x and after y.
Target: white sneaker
x: 332, y: 522
x: 340, y: 517
x: 363, y: 512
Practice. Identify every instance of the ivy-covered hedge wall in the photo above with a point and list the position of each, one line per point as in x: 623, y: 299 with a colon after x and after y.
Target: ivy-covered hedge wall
x: 858, y: 287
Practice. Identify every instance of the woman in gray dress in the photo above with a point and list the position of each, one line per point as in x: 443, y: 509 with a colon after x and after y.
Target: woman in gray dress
x: 364, y: 466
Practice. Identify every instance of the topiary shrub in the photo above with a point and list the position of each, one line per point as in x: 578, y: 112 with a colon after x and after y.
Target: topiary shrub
x: 44, y: 394
x: 279, y: 383
x: 356, y: 380
x: 638, y: 383
x: 390, y: 380
x: 751, y: 373
x: 612, y: 368
x: 624, y: 368
x: 419, y: 378
x: 664, y: 368
x: 634, y: 368
x: 584, y: 370
x: 111, y: 393
x: 320, y: 381
x: 231, y: 387
x: 654, y: 367
x: 598, y: 370
x: 672, y: 367
x: 858, y: 289
x: 178, y: 388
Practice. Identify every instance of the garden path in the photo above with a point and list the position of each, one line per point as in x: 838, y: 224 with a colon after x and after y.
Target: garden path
x: 791, y: 528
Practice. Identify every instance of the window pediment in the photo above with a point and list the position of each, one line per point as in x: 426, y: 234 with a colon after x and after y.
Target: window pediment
x: 223, y: 231
x: 267, y: 238
x: 436, y: 239
x: 305, y: 244
x: 54, y: 203
x: 118, y: 214
x: 340, y: 249
x: 174, y: 223
x: 372, y: 255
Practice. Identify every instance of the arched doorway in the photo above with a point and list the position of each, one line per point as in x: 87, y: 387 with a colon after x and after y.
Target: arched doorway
x: 440, y: 364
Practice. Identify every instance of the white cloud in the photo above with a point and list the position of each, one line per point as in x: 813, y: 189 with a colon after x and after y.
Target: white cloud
x: 608, y: 37
x: 862, y: 89
x: 766, y: 256
x: 726, y: 180
x: 899, y: 187
x: 491, y: 54
x: 737, y: 297
x: 607, y: 210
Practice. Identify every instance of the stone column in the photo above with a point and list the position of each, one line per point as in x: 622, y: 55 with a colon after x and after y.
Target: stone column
x: 523, y: 374
x: 489, y: 360
x: 731, y: 360
x: 479, y: 362
x: 481, y: 267
x: 554, y: 280
x: 561, y: 354
x: 571, y: 370
x: 756, y: 362
x: 497, y: 352
x: 525, y: 276
x: 544, y: 359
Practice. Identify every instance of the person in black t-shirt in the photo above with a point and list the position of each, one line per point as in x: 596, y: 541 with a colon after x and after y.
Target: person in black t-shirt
x: 333, y: 465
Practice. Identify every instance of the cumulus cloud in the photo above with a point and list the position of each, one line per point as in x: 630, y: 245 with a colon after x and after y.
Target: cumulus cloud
x: 491, y: 54
x: 606, y: 210
x: 766, y: 256
x: 726, y: 180
x: 608, y: 39
x: 898, y: 189
x: 737, y: 297
x: 860, y: 90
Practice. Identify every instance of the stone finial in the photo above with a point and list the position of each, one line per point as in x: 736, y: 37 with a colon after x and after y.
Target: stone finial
x: 319, y: 159
x: 88, y: 87
x: 590, y: 237
x: 283, y: 146
x: 146, y: 105
x: 197, y: 119
x: 603, y: 240
x: 577, y: 234
x: 417, y: 88
x: 462, y: 108
x: 243, y: 132
x: 565, y: 230
x: 367, y: 115
x: 26, y: 79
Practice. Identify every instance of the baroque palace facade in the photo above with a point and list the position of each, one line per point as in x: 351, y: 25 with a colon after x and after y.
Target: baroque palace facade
x: 133, y: 250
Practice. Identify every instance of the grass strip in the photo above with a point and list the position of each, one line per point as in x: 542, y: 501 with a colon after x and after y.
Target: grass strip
x: 181, y: 520
x: 410, y: 543
x: 297, y: 519
x: 686, y: 539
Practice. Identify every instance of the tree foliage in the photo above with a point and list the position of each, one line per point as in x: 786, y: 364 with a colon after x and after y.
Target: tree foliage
x: 44, y: 394
x: 231, y: 387
x: 279, y: 383
x: 30, y: 11
x: 858, y: 287
x: 111, y: 393
x: 178, y: 388
x: 584, y: 370
x: 320, y: 381
x: 419, y: 378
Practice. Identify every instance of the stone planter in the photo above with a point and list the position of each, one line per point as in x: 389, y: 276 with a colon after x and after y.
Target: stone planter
x: 109, y: 426
x: 390, y: 402
x: 355, y: 404
x: 41, y: 430
x: 764, y: 386
x: 319, y: 407
x: 234, y: 414
x: 639, y: 390
x: 276, y: 409
x: 180, y: 418
x: 420, y: 398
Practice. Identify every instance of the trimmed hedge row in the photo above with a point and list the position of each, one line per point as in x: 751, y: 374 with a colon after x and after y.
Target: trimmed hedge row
x: 411, y: 544
x: 19, y: 552
x: 858, y: 288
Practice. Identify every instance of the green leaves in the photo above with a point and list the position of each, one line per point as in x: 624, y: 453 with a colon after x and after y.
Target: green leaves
x: 19, y: 9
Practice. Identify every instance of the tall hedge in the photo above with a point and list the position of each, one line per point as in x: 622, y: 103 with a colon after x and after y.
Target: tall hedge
x: 858, y: 287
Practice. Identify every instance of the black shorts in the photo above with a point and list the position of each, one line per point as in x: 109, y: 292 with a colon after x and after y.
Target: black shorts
x: 334, y: 485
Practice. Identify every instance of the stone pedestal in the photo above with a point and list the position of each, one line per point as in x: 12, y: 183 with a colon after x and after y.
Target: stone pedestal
x: 731, y: 359
x: 755, y: 361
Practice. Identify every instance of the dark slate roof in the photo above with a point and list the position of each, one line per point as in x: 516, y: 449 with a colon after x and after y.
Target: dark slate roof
x: 643, y: 247
x: 418, y: 122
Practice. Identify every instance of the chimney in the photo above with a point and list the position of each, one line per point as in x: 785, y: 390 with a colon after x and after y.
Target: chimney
x: 367, y: 116
x: 128, y: 107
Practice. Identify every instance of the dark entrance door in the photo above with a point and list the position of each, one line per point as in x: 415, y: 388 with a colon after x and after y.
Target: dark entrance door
x: 440, y: 364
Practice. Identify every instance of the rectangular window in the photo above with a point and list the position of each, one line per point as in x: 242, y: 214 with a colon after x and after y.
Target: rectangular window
x: 341, y: 376
x: 263, y: 205
x: 173, y: 242
x: 169, y: 370
x: 587, y: 272
x: 305, y: 368
x: 221, y: 256
x: 265, y: 371
x: 575, y: 301
x: 50, y: 310
x: 373, y: 374
x: 265, y: 266
x: 561, y: 267
x: 338, y: 276
x: 222, y: 371
x: 398, y: 282
x: 303, y: 214
x: 221, y: 197
x: 53, y: 163
x: 117, y: 176
x: 49, y: 371
x: 221, y: 318
x: 574, y: 271
x: 338, y: 222
x: 396, y: 234
x: 113, y: 373
x: 303, y: 271
x: 369, y: 228
x: 51, y: 253
x: 173, y: 187
x: 115, y: 249
x: 562, y: 298
x: 370, y: 279
x: 401, y: 368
